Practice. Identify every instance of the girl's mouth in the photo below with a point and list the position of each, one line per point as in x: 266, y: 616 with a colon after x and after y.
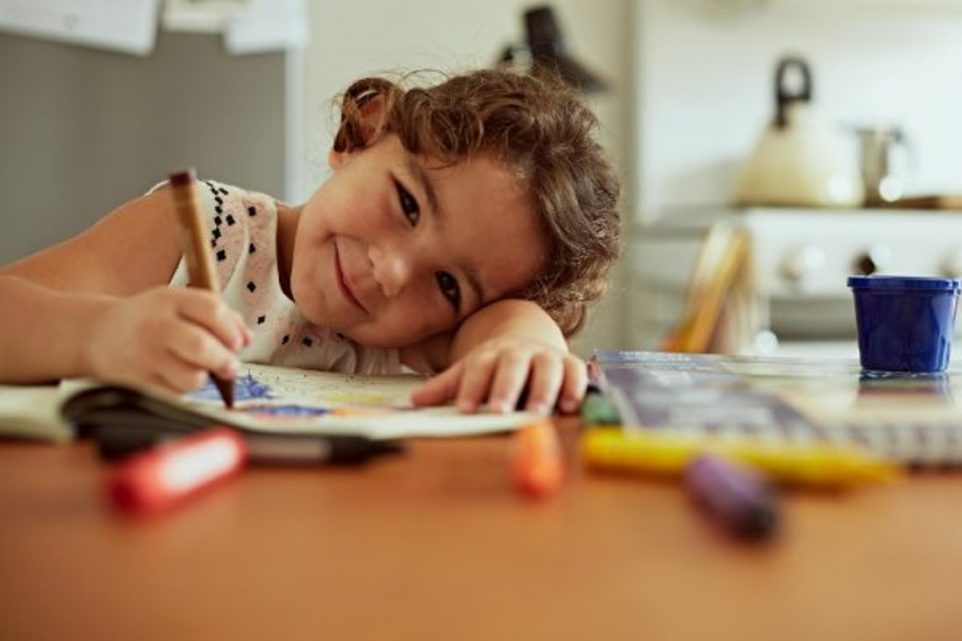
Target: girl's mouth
x: 343, y: 284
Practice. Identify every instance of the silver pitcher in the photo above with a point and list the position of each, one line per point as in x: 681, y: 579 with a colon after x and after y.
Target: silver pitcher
x: 884, y: 159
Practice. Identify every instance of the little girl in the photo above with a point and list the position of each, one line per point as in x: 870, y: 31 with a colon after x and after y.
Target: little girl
x: 463, y: 232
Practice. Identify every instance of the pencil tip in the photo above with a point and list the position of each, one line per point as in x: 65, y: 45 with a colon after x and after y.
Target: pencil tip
x: 182, y: 177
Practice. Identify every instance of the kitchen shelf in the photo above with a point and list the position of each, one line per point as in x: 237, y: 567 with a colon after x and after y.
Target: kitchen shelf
x: 924, y: 5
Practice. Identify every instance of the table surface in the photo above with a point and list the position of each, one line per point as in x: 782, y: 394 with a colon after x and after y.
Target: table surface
x: 435, y: 544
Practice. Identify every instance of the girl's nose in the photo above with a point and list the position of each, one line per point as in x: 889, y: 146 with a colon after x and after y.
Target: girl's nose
x: 392, y: 270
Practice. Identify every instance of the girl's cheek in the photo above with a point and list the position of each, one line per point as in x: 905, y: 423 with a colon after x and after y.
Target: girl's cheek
x: 423, y: 320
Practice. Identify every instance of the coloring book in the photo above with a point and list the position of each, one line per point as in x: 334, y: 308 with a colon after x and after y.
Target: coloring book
x: 267, y: 399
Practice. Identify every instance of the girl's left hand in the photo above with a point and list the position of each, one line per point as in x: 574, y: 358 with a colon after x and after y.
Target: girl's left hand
x: 499, y: 370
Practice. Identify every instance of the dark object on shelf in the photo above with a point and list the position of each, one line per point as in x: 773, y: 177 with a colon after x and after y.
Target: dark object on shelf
x: 545, y: 46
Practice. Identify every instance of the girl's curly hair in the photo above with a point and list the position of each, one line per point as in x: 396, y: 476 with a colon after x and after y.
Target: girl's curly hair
x: 543, y: 131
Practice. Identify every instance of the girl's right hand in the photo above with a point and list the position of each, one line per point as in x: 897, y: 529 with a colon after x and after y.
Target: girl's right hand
x: 166, y: 338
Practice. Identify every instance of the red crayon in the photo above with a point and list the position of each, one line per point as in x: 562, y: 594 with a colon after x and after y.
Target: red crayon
x: 536, y: 464
x: 166, y: 475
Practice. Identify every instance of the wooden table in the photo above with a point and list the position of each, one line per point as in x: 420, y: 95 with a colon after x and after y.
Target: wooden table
x: 436, y: 545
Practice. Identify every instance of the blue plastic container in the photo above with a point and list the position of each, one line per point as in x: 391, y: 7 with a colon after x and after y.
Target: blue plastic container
x: 905, y: 323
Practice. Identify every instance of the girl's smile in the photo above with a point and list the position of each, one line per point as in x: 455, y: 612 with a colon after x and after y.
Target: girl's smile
x: 344, y: 284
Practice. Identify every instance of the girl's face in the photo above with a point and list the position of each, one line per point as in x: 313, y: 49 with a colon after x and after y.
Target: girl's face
x: 389, y: 251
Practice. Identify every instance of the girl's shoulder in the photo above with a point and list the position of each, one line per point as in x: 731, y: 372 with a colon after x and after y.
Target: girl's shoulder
x: 236, y: 216
x: 218, y: 197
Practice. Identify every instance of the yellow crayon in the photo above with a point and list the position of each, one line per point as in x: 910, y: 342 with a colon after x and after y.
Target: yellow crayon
x: 661, y: 452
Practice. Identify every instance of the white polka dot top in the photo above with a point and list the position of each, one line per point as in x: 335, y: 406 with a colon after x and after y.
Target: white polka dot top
x: 243, y: 238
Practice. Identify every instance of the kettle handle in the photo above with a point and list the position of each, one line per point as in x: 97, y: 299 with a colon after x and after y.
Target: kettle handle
x: 783, y: 97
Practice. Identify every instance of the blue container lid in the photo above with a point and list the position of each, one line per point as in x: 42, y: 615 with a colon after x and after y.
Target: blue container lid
x: 905, y: 283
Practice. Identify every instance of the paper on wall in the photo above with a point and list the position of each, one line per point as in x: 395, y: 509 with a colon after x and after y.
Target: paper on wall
x: 201, y: 16
x: 123, y: 25
x: 267, y: 25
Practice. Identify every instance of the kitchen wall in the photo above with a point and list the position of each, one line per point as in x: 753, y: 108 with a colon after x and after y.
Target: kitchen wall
x: 82, y: 130
x: 704, y: 75
x: 352, y: 39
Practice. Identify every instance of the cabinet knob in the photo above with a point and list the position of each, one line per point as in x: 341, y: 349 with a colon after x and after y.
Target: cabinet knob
x: 802, y: 263
x: 874, y: 260
x: 952, y: 265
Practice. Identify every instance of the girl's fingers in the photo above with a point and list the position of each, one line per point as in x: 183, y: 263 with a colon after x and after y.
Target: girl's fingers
x: 575, y: 382
x: 475, y: 383
x: 205, y: 309
x: 499, y: 376
x: 547, y: 373
x: 179, y: 376
x: 199, y: 349
x: 509, y: 379
x: 439, y: 389
x: 154, y: 379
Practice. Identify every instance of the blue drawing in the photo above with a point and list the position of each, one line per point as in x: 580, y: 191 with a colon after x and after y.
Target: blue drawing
x: 246, y: 388
x: 284, y: 410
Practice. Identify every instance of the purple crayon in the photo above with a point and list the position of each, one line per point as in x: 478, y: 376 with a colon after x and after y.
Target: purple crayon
x: 737, y: 497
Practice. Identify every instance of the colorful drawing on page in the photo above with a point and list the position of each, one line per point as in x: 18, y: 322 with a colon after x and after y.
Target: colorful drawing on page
x: 257, y: 398
x: 246, y: 388
x: 287, y: 395
x: 295, y: 410
x: 287, y: 410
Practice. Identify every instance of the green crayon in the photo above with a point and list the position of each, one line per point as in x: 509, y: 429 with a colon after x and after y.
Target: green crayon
x: 598, y: 410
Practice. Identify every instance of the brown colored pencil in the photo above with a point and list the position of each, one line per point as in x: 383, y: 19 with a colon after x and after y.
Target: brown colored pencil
x: 200, y: 263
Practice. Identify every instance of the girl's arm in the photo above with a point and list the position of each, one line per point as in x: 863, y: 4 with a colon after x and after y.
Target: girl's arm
x: 98, y: 305
x: 497, y: 353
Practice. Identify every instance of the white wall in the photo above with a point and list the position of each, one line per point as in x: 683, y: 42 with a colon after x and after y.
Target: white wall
x: 353, y: 39
x: 704, y: 76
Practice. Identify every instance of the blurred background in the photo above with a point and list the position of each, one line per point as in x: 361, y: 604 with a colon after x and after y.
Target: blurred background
x: 847, y: 160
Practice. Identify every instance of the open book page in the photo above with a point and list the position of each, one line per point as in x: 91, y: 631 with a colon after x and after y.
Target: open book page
x: 294, y: 401
x: 279, y: 399
x: 32, y: 411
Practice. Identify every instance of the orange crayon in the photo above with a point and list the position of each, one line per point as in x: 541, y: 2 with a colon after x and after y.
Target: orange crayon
x: 536, y: 465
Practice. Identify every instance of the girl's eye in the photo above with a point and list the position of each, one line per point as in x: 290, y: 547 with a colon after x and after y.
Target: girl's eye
x: 449, y: 288
x: 409, y: 206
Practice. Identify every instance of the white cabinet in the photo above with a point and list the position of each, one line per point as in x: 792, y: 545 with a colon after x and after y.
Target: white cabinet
x: 800, y: 262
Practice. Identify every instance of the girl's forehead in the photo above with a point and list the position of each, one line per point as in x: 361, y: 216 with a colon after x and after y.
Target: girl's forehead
x: 480, y: 174
x: 433, y: 161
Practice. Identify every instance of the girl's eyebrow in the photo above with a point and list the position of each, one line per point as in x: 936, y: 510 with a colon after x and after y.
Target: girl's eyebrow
x: 427, y: 185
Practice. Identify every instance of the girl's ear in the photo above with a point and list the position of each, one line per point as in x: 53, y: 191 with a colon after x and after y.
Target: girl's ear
x: 363, y: 119
x: 373, y: 117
